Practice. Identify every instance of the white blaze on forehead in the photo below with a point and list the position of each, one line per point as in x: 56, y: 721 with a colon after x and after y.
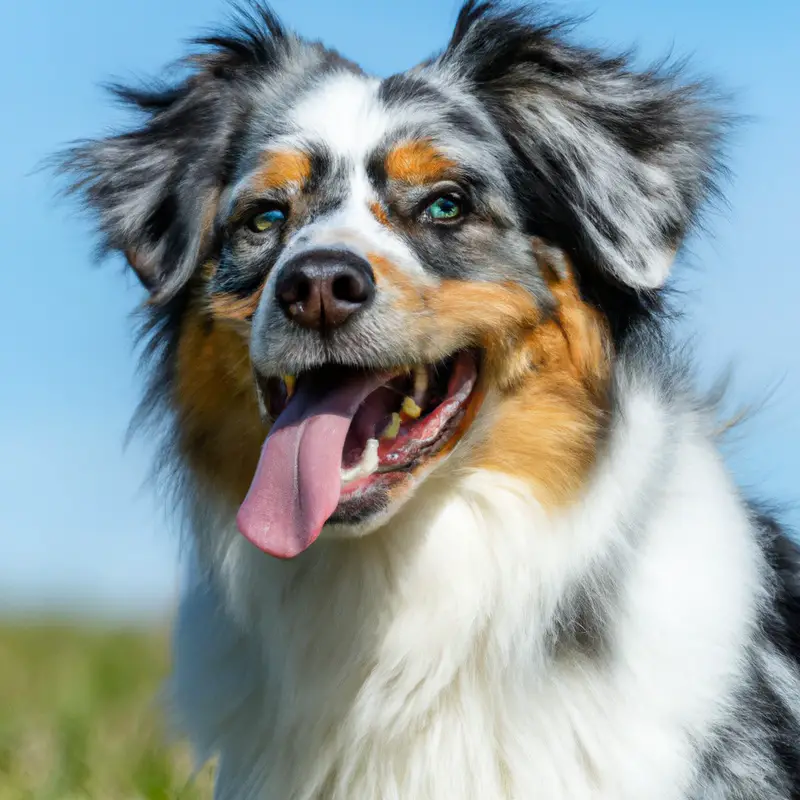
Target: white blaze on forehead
x: 345, y: 113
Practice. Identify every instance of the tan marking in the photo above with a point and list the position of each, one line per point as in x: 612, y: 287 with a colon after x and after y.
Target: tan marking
x: 418, y: 161
x: 220, y: 431
x: 493, y: 316
x: 230, y: 306
x: 208, y: 269
x: 551, y: 372
x: 209, y: 214
x: 554, y: 398
x: 453, y: 314
x: 405, y: 293
x: 379, y: 212
x: 282, y: 169
x: 484, y: 307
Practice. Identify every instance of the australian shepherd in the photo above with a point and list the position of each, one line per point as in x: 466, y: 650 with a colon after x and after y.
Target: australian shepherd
x: 459, y: 523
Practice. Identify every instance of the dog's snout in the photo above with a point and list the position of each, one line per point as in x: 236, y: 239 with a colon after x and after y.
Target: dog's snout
x: 322, y: 289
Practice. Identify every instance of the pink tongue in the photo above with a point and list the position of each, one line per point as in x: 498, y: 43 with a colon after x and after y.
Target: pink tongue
x: 296, y: 485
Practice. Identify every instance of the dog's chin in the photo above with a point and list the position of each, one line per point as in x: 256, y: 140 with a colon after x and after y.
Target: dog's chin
x: 364, y: 513
x: 365, y: 520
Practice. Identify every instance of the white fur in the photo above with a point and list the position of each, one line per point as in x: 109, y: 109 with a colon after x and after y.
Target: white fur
x: 413, y: 662
x: 343, y: 113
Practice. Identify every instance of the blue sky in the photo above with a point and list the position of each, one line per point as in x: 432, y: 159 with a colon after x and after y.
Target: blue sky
x: 79, y: 528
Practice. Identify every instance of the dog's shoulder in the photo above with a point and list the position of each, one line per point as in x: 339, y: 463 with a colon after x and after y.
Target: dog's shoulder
x: 754, y: 752
x: 782, y: 551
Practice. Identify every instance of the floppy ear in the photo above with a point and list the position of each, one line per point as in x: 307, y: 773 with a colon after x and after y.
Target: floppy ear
x: 155, y: 190
x: 613, y: 164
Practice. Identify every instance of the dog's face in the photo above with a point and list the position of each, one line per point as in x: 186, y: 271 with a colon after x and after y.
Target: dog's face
x: 393, y: 275
x: 387, y: 251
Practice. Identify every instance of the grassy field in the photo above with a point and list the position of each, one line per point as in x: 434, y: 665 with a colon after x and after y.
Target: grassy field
x: 79, y: 719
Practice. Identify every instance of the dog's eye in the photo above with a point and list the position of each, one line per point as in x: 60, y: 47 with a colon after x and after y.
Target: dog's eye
x: 445, y: 208
x: 266, y: 220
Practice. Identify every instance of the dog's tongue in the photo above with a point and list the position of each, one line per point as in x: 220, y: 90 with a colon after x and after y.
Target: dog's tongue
x: 296, y: 485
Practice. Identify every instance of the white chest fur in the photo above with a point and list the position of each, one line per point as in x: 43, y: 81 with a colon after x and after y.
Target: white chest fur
x: 432, y: 660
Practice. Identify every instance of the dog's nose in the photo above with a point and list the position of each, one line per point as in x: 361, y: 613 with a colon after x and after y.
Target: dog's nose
x: 322, y: 289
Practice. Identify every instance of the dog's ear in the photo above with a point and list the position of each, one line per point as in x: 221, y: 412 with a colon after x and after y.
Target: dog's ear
x: 154, y: 190
x: 614, y: 164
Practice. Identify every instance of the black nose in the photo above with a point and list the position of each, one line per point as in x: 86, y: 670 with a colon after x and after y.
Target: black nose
x: 322, y: 289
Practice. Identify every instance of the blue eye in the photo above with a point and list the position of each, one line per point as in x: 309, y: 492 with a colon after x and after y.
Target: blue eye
x: 265, y: 220
x: 445, y: 208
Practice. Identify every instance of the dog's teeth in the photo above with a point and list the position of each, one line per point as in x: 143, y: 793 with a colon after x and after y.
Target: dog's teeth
x: 289, y: 382
x: 367, y: 464
x: 410, y: 408
x: 393, y: 428
x: 420, y: 385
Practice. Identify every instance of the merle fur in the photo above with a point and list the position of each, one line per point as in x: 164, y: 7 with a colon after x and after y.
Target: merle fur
x: 151, y: 189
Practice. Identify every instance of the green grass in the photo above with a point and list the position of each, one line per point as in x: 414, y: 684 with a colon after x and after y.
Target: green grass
x: 79, y: 717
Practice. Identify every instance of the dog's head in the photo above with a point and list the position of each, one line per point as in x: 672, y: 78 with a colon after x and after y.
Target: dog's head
x: 394, y: 275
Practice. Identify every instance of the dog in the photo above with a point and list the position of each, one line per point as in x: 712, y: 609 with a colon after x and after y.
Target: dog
x: 459, y: 523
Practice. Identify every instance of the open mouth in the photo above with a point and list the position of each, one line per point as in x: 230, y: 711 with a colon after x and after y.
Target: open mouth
x: 342, y: 438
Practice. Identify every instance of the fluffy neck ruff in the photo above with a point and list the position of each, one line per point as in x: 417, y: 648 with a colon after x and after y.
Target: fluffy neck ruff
x: 472, y: 639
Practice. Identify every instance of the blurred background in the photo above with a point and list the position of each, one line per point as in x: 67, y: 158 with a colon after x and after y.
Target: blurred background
x: 89, y: 560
